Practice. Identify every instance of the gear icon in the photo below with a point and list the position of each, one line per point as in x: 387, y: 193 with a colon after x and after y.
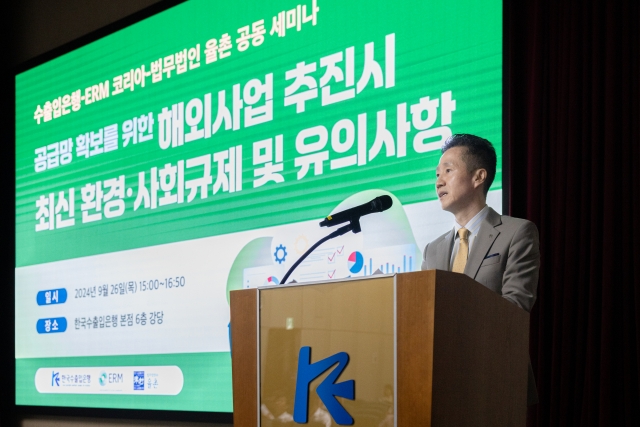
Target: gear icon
x: 282, y: 250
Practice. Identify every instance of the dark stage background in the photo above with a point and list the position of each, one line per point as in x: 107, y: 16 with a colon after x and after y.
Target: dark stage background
x: 574, y: 140
x: 572, y: 119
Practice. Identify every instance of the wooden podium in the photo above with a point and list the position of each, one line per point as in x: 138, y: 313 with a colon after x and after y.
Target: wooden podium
x: 430, y: 348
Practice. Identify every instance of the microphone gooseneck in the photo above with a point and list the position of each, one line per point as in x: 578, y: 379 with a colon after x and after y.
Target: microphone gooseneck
x: 352, y: 216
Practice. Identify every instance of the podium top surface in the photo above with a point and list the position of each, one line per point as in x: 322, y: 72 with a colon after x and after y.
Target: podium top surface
x: 323, y: 282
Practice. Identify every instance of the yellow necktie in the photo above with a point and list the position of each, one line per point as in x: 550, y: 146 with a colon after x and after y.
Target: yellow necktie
x: 460, y: 260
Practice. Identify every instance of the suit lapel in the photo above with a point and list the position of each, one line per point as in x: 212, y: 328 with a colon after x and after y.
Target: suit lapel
x: 487, y: 234
x: 444, y: 252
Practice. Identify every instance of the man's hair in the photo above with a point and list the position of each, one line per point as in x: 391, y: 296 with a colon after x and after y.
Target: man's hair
x: 479, y: 154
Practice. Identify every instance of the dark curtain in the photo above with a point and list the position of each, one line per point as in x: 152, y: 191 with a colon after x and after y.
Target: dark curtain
x: 573, y: 131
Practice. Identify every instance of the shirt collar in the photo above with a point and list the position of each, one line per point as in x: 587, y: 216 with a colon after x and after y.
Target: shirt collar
x: 474, y: 223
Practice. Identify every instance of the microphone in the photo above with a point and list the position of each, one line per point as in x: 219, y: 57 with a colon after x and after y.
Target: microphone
x: 352, y: 216
x: 379, y: 204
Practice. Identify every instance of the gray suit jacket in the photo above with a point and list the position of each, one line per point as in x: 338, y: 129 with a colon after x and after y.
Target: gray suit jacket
x: 505, y: 257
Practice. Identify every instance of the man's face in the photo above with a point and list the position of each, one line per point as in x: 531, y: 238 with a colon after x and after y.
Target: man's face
x: 455, y: 185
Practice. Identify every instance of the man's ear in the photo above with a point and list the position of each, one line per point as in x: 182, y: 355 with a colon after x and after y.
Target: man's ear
x: 479, y: 177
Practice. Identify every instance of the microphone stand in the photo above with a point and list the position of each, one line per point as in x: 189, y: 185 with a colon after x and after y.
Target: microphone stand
x: 354, y: 225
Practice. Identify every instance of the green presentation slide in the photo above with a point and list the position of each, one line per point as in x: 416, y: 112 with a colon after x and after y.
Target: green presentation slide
x: 195, y: 152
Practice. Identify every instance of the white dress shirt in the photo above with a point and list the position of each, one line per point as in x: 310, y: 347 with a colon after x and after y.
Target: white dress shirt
x: 473, y: 226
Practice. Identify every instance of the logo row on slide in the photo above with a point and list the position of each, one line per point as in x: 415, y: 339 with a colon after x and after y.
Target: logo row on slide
x: 152, y: 380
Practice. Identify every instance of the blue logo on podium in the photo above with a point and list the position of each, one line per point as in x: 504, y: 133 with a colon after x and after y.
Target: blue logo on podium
x: 328, y: 390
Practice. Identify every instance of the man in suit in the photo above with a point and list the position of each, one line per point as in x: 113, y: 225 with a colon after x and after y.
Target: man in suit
x: 498, y: 251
